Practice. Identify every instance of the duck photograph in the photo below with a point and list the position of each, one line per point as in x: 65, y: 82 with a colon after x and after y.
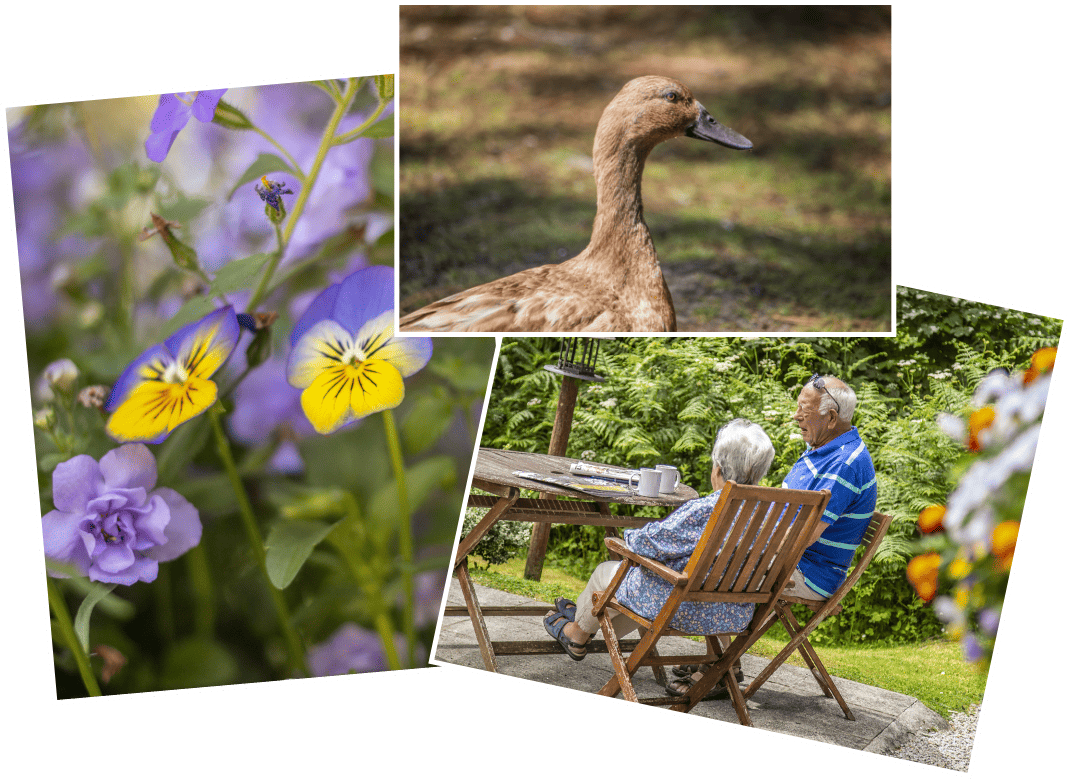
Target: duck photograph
x: 550, y: 178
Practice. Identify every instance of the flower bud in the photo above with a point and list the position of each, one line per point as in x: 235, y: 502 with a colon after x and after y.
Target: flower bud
x: 61, y: 374
x: 45, y: 418
x: 384, y: 85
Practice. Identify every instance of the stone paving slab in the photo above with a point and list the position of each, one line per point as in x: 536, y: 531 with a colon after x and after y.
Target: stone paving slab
x: 789, y: 702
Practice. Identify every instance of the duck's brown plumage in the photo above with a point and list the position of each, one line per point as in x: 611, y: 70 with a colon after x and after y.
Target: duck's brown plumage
x: 615, y: 284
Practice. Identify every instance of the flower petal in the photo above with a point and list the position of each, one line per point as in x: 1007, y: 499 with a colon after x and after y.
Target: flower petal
x: 156, y: 408
x: 320, y: 349
x: 205, y: 103
x: 171, y: 115
x: 363, y: 296
x: 131, y: 465
x: 150, y: 365
x: 408, y: 355
x: 345, y: 393
x: 183, y: 531
x: 202, y: 346
x: 63, y: 541
x: 158, y: 145
x: 319, y: 309
x: 75, y: 482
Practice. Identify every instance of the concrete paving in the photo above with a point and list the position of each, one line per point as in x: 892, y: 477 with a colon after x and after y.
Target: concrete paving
x: 789, y: 702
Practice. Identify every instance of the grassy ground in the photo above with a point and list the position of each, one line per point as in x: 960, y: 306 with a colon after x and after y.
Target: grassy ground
x: 498, y: 107
x: 933, y: 672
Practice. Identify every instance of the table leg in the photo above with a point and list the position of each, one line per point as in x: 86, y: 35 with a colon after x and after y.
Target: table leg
x: 480, y: 626
x: 475, y: 535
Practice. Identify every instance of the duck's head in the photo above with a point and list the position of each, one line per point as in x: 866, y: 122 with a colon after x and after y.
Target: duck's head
x: 652, y: 109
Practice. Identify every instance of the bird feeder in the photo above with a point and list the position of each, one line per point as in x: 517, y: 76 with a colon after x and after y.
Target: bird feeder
x: 575, y: 363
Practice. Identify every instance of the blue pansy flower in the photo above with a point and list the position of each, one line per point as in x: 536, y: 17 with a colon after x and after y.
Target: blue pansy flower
x: 344, y: 354
x: 172, y: 114
x: 169, y: 383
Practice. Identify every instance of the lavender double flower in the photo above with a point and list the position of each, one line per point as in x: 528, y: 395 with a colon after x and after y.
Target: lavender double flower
x: 109, y: 522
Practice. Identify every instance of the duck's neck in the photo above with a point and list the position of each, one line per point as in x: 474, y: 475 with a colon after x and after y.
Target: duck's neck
x: 620, y: 236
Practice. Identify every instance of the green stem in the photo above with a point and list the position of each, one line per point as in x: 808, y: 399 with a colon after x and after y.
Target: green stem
x: 321, y: 154
x: 345, y: 536
x: 66, y: 627
x: 356, y: 131
x: 256, y: 541
x: 203, y: 602
x: 404, y: 533
x: 293, y: 163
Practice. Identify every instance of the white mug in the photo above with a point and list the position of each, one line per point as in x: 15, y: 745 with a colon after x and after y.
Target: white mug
x: 648, y: 484
x: 670, y: 478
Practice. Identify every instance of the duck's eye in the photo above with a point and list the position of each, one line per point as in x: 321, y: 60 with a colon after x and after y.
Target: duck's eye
x: 671, y: 97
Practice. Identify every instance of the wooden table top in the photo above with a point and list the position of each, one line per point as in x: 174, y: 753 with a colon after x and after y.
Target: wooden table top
x: 497, y: 465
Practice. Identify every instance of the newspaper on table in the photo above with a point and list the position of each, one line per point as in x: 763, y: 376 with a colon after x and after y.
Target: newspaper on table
x: 602, y: 471
x: 599, y: 488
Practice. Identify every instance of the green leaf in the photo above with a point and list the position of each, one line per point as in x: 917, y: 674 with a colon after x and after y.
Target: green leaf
x: 427, y: 420
x: 85, y: 611
x: 180, y: 208
x: 262, y: 165
x: 288, y: 546
x: 239, y: 274
x: 198, y: 662
x: 420, y: 481
x: 384, y: 128
x: 192, y: 310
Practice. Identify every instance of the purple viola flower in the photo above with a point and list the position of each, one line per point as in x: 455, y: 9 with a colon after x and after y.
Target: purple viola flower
x: 173, y: 113
x: 351, y: 649
x: 988, y: 619
x: 430, y: 586
x: 345, y: 356
x: 972, y: 651
x: 109, y: 522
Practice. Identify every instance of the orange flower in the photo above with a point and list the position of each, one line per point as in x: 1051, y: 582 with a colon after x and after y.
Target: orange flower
x: 932, y: 519
x: 1043, y: 360
x: 1004, y: 538
x: 979, y: 420
x: 922, y: 572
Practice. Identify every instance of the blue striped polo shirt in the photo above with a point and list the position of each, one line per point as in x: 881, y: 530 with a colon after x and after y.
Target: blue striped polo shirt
x: 842, y: 466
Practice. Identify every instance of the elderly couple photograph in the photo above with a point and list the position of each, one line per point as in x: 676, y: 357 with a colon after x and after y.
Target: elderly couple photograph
x: 835, y: 459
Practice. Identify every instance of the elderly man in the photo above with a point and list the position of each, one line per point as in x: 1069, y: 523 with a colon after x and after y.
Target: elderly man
x: 836, y: 459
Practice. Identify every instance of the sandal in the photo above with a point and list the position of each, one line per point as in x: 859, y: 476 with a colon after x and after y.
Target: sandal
x: 566, y: 607
x: 678, y: 688
x: 555, y: 626
x: 684, y: 671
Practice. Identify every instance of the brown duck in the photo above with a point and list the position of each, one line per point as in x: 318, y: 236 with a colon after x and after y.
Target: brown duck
x: 615, y: 284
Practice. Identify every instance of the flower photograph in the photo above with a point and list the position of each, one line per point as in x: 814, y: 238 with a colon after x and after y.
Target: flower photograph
x: 244, y: 473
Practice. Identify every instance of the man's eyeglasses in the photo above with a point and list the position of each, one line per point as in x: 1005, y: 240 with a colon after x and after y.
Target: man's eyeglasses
x: 819, y: 384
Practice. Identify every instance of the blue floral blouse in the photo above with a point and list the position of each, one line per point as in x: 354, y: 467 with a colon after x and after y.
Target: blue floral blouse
x: 671, y: 542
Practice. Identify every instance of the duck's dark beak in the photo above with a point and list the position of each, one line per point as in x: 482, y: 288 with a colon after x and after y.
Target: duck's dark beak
x: 706, y: 128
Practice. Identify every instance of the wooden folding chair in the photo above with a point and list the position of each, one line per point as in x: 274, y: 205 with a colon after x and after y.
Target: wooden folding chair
x: 751, y: 544
x: 875, y: 531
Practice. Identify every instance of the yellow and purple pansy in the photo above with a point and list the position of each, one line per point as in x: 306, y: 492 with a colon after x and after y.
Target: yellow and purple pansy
x: 344, y: 355
x: 169, y: 384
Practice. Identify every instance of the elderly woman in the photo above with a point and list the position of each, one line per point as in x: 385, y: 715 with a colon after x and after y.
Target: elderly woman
x: 742, y: 452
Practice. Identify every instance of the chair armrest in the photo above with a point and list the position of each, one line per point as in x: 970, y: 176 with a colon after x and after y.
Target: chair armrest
x: 664, y: 571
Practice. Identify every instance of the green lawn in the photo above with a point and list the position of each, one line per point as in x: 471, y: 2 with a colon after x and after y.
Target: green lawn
x: 933, y: 671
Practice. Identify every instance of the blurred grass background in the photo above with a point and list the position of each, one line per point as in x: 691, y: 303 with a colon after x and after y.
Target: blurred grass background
x: 498, y: 108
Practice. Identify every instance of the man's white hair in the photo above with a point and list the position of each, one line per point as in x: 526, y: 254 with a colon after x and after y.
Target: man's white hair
x: 844, y: 395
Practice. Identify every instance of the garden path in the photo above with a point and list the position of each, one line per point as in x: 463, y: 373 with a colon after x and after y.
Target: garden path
x: 790, y: 702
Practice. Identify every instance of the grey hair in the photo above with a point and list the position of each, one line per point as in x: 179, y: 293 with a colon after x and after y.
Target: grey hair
x: 742, y: 451
x: 844, y: 395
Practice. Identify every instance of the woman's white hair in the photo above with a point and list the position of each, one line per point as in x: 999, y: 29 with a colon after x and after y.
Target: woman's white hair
x: 742, y: 451
x: 844, y: 395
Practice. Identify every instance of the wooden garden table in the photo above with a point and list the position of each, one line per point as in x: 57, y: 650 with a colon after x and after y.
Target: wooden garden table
x: 494, y: 474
